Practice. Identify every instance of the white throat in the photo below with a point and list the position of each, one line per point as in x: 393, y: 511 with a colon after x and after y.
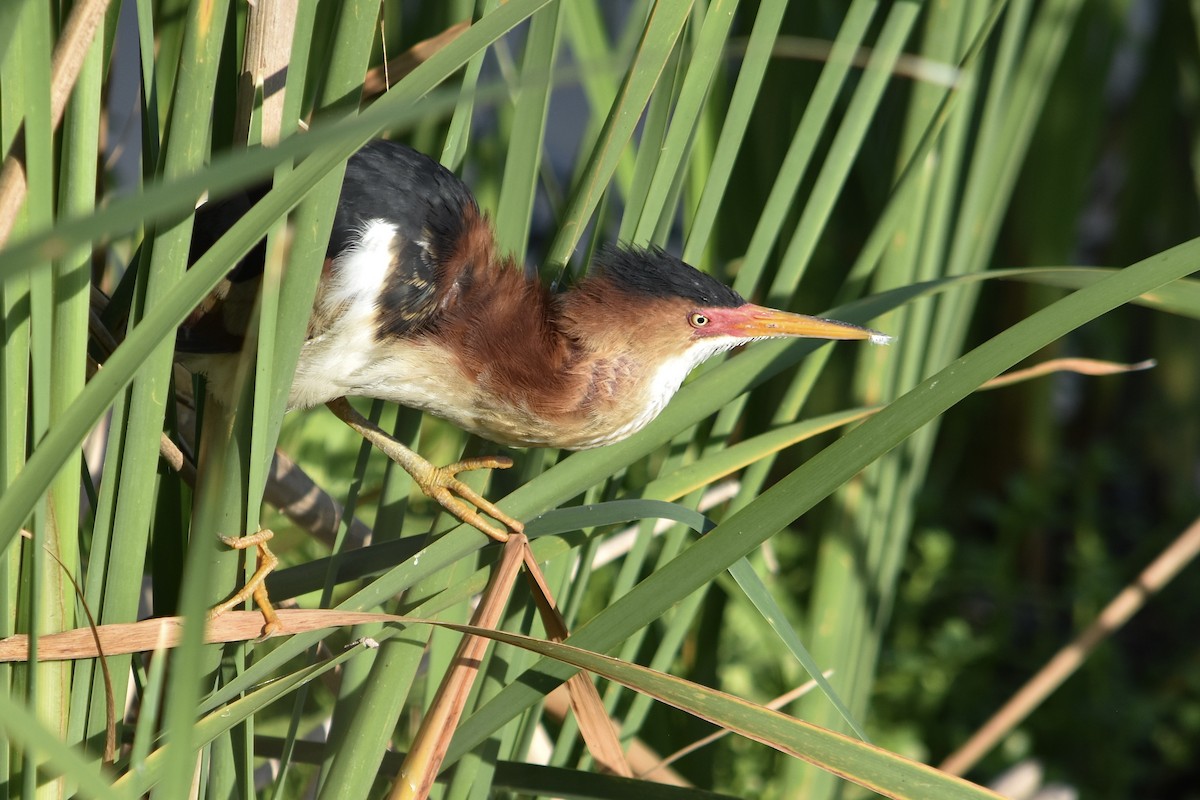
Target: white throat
x: 662, y: 386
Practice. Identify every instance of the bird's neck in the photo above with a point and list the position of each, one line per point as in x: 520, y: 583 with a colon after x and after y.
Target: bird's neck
x: 553, y: 370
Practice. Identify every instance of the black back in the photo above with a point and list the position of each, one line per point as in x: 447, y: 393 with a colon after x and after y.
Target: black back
x: 424, y: 201
x: 428, y: 206
x: 391, y: 181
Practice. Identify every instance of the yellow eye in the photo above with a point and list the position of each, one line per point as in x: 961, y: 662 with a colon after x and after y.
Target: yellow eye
x: 697, y: 320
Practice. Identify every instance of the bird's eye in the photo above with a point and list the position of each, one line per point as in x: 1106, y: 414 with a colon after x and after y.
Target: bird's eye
x: 697, y: 320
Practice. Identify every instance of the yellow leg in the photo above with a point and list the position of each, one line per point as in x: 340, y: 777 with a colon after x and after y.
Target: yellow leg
x: 256, y: 586
x: 438, y: 483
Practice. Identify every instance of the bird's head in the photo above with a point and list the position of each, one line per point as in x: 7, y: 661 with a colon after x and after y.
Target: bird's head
x: 660, y: 305
x: 642, y: 320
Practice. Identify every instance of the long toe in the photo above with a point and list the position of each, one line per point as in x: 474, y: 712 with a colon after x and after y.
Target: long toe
x: 454, y: 495
x: 255, y: 587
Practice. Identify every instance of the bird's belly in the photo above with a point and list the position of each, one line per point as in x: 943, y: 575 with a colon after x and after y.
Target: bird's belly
x: 514, y: 424
x: 428, y: 380
x: 417, y: 376
x: 425, y: 376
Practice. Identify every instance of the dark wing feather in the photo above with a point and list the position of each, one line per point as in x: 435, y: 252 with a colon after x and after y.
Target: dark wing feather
x: 428, y: 206
x: 423, y: 201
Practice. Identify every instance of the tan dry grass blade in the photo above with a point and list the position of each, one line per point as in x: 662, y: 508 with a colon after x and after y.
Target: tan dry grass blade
x: 380, y: 78
x: 72, y: 47
x: 420, y: 767
x: 164, y: 633
x: 265, y: 58
x: 917, y: 68
x: 645, y: 762
x: 1080, y: 366
x: 1128, y: 602
x: 597, y: 729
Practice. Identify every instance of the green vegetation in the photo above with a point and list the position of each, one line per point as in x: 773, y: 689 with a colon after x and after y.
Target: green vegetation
x: 942, y: 171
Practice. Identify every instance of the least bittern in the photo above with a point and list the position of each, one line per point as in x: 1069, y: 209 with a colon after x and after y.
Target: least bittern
x: 416, y: 306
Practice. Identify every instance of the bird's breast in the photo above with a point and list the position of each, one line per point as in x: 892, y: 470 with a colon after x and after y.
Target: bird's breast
x: 627, y: 398
x: 610, y: 400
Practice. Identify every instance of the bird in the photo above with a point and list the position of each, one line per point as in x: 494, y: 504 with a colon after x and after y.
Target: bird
x: 417, y: 305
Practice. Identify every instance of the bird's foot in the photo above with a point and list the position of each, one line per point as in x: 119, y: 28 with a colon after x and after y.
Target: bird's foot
x: 439, y: 483
x: 256, y: 586
x: 443, y: 485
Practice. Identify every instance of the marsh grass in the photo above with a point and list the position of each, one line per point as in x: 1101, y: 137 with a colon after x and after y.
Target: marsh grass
x: 860, y: 541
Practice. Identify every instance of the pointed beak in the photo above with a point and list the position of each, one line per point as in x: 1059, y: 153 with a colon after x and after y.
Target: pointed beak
x: 757, y: 322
